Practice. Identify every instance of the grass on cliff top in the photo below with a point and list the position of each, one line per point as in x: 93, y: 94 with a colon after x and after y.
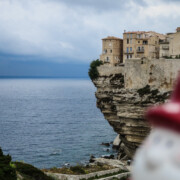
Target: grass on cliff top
x: 93, y: 72
x: 79, y: 170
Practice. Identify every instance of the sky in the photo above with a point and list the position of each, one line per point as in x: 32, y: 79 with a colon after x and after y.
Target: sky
x: 61, y: 37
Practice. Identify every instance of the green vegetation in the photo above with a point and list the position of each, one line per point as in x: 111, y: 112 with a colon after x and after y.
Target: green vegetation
x: 143, y: 91
x: 152, y: 95
x: 7, y: 171
x: 11, y: 170
x: 93, y: 72
x: 123, y: 178
x: 79, y: 170
x: 29, y: 172
x: 171, y: 57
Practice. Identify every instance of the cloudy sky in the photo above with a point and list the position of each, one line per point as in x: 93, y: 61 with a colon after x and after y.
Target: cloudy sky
x: 70, y: 31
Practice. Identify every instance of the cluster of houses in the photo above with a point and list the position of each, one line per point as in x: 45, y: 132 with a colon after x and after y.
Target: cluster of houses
x: 140, y: 44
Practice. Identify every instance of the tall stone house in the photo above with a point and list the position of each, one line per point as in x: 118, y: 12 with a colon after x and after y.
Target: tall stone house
x: 141, y: 44
x: 112, y: 50
x: 170, y: 46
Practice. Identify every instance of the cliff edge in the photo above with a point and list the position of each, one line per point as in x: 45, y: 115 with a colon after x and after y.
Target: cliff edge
x: 124, y: 92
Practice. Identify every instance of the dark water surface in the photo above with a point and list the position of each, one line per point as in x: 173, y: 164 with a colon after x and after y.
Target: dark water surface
x: 48, y: 122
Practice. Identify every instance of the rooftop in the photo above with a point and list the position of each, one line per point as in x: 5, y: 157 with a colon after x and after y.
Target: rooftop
x: 150, y: 33
x: 111, y: 38
x: 135, y: 32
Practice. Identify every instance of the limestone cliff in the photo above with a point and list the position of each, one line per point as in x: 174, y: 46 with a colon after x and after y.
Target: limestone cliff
x: 123, y: 94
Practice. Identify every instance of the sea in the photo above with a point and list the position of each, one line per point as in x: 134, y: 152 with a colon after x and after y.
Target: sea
x: 50, y: 122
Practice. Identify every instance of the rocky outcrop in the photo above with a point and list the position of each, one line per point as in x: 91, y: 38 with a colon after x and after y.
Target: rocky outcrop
x: 124, y: 107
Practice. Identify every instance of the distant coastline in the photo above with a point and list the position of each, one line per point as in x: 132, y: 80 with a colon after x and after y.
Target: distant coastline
x: 43, y: 77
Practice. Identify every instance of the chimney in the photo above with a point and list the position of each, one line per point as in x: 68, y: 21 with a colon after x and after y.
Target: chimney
x: 178, y: 29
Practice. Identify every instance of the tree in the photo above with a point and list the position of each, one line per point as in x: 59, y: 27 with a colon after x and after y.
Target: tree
x: 6, y: 171
x: 93, y: 72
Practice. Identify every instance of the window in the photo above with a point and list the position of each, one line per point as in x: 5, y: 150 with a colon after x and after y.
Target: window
x: 127, y: 49
x: 107, y: 59
x: 145, y: 42
x: 130, y: 41
x: 127, y: 56
x: 127, y: 41
x: 130, y: 56
x: 111, y: 51
x: 131, y: 36
x: 139, y: 42
x: 105, y: 51
x: 127, y: 36
x: 130, y: 49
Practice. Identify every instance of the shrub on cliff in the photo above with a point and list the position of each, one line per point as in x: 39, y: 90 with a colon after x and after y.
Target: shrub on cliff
x: 7, y: 172
x: 93, y: 72
x: 145, y: 90
x: 29, y: 172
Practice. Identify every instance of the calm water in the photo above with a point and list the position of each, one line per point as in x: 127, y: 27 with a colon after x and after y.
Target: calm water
x: 48, y: 122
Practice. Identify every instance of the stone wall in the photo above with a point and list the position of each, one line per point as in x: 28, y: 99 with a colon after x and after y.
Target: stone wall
x: 158, y: 73
x: 108, y: 69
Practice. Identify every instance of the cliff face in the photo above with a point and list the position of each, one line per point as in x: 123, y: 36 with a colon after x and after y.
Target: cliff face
x: 124, y: 106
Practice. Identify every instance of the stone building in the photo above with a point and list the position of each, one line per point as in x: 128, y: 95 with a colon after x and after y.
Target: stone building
x: 164, y: 46
x: 112, y: 50
x: 141, y: 44
x: 170, y: 47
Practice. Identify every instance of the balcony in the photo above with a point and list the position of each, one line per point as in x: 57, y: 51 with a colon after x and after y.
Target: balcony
x: 140, y: 50
x: 165, y: 47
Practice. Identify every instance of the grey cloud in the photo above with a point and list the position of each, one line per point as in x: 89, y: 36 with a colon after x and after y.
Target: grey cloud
x: 69, y: 28
x: 101, y: 4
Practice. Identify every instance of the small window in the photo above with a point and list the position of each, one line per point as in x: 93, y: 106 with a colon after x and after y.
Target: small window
x: 127, y: 56
x: 131, y: 36
x: 127, y: 41
x: 130, y: 49
x: 111, y: 51
x: 130, y: 56
x: 145, y: 42
x: 139, y: 42
x: 130, y: 41
x: 107, y: 59
x: 127, y: 49
x: 127, y: 36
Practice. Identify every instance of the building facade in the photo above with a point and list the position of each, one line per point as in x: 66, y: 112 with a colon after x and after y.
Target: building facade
x: 164, y: 46
x: 112, y: 50
x: 170, y: 47
x: 141, y: 44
